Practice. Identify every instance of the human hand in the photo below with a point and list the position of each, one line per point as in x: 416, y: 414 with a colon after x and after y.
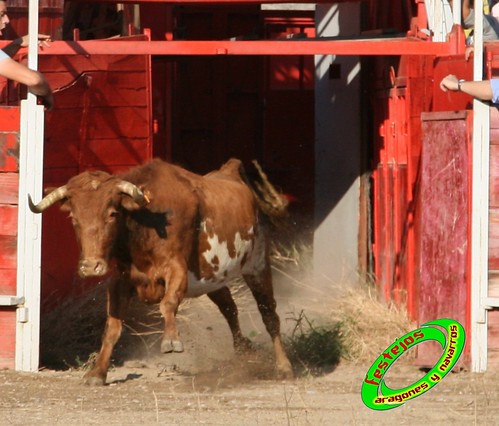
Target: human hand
x: 47, y: 101
x: 43, y: 40
x: 468, y: 52
x: 43, y: 91
x: 450, y: 82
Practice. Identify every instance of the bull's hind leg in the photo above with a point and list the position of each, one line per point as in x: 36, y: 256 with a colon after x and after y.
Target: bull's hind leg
x: 261, y: 287
x: 223, y: 299
x: 118, y: 298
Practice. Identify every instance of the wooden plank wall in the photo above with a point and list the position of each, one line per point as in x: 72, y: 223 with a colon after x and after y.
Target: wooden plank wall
x: 493, y: 316
x: 9, y: 182
x: 443, y: 207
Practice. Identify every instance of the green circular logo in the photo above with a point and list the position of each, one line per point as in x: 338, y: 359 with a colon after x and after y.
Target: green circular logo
x: 378, y: 396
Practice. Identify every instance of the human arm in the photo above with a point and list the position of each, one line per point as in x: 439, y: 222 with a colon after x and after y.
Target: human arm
x: 34, y: 80
x: 13, y: 47
x: 478, y: 89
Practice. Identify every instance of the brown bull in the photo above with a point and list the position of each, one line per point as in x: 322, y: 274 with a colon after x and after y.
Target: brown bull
x: 173, y: 234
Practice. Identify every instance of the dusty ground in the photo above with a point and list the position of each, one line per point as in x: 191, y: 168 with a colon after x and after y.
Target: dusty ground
x: 208, y: 384
x: 149, y: 395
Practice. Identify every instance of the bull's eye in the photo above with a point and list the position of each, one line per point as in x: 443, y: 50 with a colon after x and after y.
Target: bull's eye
x: 112, y: 215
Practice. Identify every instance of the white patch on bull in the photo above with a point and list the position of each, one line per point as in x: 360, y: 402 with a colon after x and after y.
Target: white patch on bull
x: 225, y: 268
x: 94, y: 183
x: 196, y: 288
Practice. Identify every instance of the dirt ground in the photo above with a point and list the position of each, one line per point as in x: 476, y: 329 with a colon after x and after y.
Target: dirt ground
x: 149, y: 395
x: 208, y: 384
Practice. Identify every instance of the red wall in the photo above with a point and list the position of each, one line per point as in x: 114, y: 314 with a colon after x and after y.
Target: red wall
x: 9, y: 178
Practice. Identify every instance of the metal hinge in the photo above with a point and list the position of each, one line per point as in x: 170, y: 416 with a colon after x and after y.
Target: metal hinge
x: 22, y: 315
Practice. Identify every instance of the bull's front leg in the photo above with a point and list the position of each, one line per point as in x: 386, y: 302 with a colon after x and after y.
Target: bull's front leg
x: 118, y: 298
x: 175, y: 293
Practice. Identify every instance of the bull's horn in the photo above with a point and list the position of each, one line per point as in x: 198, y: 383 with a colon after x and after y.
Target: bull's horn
x: 51, y: 198
x: 134, y: 191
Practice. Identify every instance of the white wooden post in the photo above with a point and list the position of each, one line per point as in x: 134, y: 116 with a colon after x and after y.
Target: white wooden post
x: 479, y: 208
x: 29, y: 225
x: 440, y: 17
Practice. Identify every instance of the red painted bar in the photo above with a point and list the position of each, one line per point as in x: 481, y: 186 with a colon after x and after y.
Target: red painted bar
x: 212, y: 2
x: 382, y: 46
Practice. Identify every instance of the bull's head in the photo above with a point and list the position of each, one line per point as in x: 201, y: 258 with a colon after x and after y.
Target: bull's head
x: 95, y: 201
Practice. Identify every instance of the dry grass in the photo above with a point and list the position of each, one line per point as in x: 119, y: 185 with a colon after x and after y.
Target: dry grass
x: 367, y: 325
x: 358, y: 329
x: 356, y: 325
x: 364, y: 324
x: 298, y: 254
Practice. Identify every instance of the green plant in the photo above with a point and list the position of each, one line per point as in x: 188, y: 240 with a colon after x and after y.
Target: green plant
x: 314, y: 350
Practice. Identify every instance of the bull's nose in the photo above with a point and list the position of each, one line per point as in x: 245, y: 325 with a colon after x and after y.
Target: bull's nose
x: 92, y: 267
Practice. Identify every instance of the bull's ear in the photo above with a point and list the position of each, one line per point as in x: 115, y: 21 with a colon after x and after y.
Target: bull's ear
x: 64, y: 205
x: 128, y: 203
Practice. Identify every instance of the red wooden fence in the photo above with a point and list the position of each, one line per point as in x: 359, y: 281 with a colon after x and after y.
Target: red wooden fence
x: 9, y: 178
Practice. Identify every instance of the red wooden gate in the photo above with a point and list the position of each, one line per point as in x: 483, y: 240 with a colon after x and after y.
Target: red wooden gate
x: 444, y: 204
x: 395, y: 176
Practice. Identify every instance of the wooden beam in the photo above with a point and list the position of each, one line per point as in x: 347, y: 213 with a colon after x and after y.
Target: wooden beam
x: 382, y: 47
x: 214, y: 2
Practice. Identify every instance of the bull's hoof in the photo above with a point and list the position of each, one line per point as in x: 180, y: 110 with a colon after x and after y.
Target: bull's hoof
x: 285, y: 375
x: 243, y: 345
x: 168, y: 346
x: 285, y: 372
x: 92, y: 380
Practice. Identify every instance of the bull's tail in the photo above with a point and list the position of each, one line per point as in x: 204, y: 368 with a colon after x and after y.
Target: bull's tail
x: 272, y: 203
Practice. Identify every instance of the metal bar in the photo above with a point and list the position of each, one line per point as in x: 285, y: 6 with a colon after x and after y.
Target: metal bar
x: 384, y: 46
x: 11, y: 300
